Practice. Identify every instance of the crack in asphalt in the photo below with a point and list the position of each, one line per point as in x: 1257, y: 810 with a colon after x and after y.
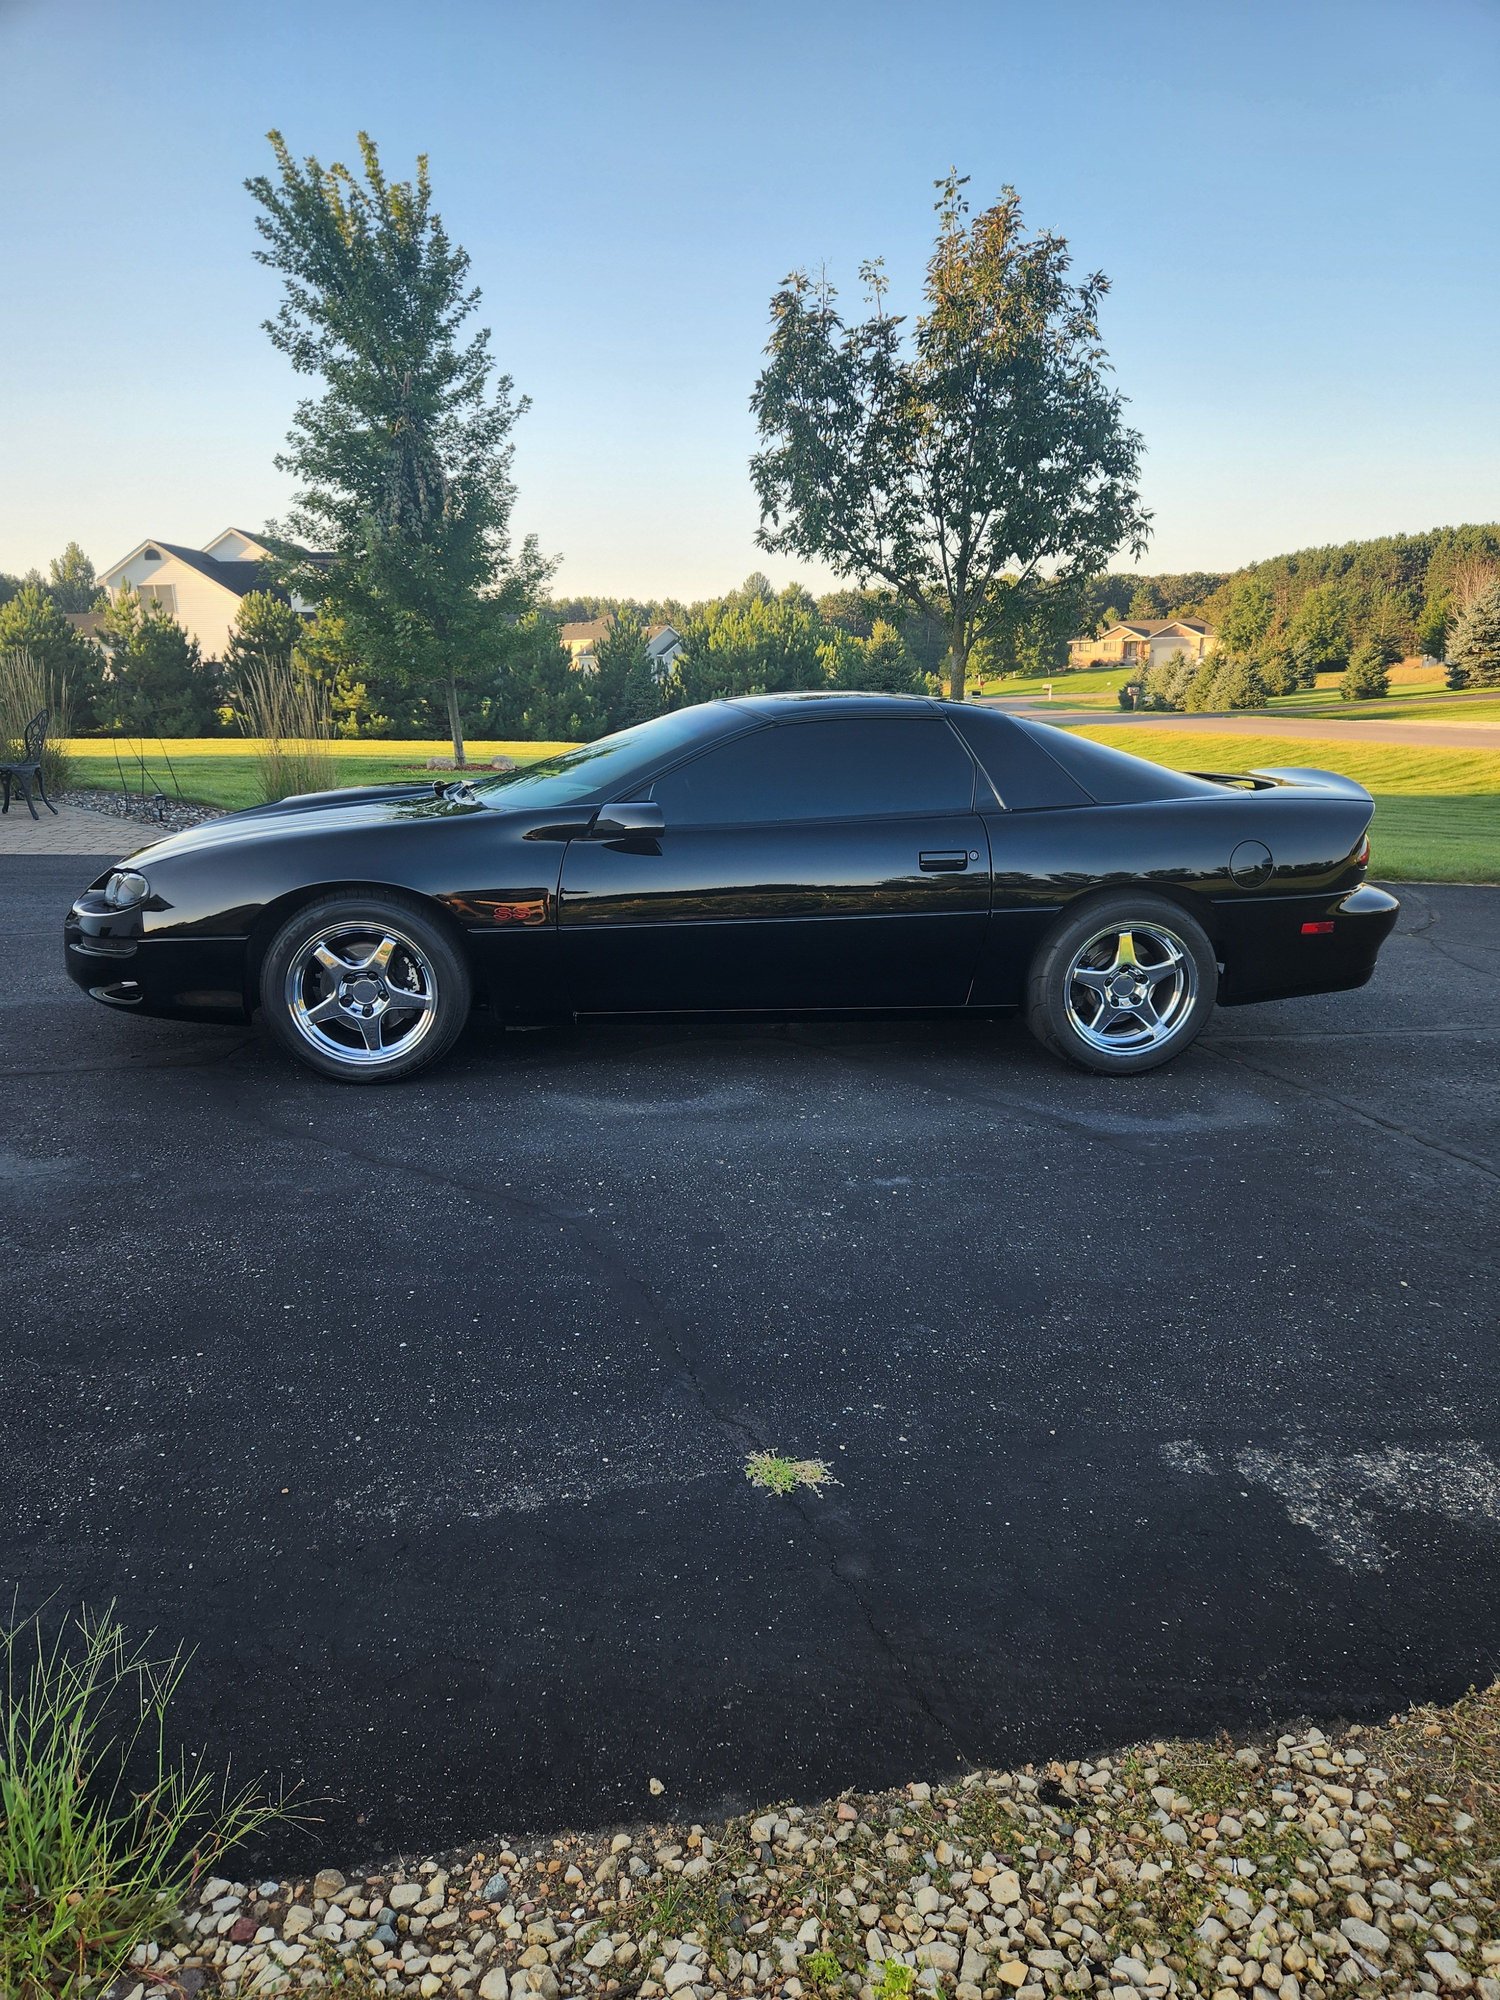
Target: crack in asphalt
x: 1424, y: 931
x: 674, y: 1346
x: 1460, y: 1154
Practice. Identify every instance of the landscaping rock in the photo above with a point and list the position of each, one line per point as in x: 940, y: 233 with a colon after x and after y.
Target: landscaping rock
x: 1318, y: 1869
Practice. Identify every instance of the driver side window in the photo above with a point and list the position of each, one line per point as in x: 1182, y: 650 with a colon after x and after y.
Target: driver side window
x: 833, y: 769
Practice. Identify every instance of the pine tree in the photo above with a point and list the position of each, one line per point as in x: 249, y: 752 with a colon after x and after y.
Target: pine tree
x: 266, y: 631
x: 1474, y: 655
x: 405, y: 459
x: 1366, y: 678
x: 32, y: 622
x: 158, y: 685
x: 625, y: 687
x: 73, y: 585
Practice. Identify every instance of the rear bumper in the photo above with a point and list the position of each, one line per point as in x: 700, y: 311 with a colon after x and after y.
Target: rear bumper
x: 182, y: 979
x: 1271, y: 954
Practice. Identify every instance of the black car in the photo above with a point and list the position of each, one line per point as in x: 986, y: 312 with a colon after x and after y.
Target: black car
x: 776, y: 855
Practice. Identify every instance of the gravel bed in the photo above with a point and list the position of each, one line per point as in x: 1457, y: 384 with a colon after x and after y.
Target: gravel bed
x: 1360, y: 1863
x: 170, y: 817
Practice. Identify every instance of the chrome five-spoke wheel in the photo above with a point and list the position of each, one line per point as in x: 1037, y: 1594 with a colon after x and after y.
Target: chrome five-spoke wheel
x: 1122, y: 983
x: 365, y: 988
x: 1130, y: 989
x: 362, y: 995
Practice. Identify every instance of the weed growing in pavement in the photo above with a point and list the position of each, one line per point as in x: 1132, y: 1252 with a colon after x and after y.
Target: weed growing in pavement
x: 102, y: 1831
x: 784, y: 1475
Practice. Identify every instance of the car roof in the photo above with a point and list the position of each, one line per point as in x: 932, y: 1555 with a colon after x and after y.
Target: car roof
x: 801, y: 707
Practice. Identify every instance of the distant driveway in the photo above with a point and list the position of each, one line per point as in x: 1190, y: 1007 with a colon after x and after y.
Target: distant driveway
x: 422, y: 1412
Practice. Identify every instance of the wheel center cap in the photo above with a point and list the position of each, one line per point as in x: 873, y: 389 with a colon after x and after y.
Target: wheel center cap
x: 1122, y: 986
x: 364, y: 991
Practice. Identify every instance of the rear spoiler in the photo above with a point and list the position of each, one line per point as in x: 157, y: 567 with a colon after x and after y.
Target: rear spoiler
x: 1290, y: 777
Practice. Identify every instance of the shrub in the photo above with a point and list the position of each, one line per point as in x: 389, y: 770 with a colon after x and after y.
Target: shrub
x: 1167, y: 685
x: 101, y: 1833
x: 1367, y: 676
x: 288, y: 710
x: 1238, y: 684
x: 26, y: 688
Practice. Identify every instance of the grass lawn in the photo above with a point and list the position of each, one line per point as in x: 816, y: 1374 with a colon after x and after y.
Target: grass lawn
x: 1437, y: 812
x: 1417, y: 695
x: 221, y: 770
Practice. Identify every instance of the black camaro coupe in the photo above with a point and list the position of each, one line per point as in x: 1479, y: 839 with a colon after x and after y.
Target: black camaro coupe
x: 776, y: 855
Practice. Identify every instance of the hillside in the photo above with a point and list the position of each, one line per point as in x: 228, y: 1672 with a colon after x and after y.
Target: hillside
x: 1410, y: 586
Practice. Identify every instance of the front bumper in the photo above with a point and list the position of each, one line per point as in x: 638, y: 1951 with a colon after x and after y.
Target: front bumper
x: 108, y: 954
x: 1270, y: 954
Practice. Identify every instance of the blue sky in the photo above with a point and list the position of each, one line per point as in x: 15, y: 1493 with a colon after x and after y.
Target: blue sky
x: 1296, y: 203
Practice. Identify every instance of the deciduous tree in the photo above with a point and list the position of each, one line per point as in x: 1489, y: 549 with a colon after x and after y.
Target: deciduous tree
x: 405, y: 458
x: 956, y: 466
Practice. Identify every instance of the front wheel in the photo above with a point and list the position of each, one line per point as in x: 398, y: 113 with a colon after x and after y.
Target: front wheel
x: 364, y: 989
x: 1122, y: 985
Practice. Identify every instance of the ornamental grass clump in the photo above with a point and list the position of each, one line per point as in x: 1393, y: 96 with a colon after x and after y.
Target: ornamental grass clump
x: 103, y: 1828
x: 26, y: 689
x: 288, y: 712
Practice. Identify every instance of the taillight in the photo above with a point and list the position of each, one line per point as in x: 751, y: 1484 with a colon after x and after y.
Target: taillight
x: 1317, y: 930
x: 1362, y: 852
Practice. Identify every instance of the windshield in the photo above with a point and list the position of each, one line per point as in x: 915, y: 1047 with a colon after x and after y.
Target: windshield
x: 609, y: 768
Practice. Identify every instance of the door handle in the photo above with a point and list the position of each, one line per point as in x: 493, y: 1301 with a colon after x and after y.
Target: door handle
x: 943, y: 860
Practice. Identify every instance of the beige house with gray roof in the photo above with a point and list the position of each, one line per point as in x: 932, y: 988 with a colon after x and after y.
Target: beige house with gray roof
x: 1142, y: 642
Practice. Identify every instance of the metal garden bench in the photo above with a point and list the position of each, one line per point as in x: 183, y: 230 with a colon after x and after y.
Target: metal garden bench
x: 29, y: 769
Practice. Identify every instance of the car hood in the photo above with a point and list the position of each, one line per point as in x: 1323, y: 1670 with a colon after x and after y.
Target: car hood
x: 362, y: 806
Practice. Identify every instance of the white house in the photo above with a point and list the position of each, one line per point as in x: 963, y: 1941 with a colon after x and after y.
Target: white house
x: 200, y: 588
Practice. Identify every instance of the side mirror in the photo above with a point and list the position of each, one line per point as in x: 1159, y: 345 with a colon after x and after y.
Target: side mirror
x: 615, y: 822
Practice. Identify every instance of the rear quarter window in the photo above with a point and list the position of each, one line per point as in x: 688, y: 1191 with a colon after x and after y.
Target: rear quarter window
x: 1025, y: 778
x: 1112, y: 777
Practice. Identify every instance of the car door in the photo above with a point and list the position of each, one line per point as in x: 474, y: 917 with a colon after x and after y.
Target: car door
x: 834, y: 862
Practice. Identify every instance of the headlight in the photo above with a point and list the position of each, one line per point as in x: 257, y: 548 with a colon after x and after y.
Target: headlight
x: 125, y: 888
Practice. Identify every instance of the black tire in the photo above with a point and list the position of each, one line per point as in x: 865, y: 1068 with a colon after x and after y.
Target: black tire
x: 413, y: 998
x: 1150, y: 1006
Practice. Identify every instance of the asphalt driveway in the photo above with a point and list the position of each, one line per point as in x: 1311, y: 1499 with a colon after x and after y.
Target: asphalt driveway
x: 423, y: 1412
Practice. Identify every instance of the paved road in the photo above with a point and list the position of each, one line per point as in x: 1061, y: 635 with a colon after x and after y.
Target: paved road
x: 422, y: 1412
x: 1255, y: 722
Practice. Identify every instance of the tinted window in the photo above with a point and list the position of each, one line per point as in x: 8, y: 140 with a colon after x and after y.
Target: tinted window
x: 1113, y: 777
x: 822, y: 770
x: 1024, y: 776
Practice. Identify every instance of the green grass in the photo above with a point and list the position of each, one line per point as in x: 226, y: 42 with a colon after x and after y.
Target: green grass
x: 103, y: 1831
x: 1099, y: 687
x: 215, y: 771
x: 1437, y: 811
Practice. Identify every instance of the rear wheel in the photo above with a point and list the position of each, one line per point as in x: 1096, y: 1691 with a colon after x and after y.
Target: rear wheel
x: 1122, y: 985
x: 365, y: 989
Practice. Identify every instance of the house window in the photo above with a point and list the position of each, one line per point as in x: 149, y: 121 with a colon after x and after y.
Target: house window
x: 159, y: 597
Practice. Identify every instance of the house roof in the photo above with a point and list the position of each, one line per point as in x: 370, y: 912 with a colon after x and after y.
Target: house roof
x: 238, y: 577
x: 1147, y: 628
x: 584, y: 631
